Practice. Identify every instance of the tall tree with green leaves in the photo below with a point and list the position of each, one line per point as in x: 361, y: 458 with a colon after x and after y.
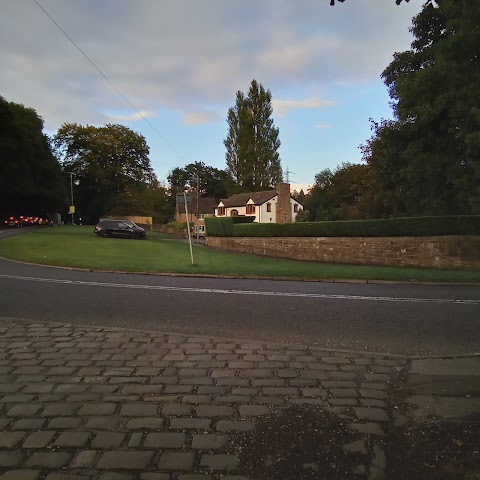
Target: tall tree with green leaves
x: 253, y: 161
x: 30, y: 176
x: 427, y: 159
x: 105, y: 162
x: 211, y: 181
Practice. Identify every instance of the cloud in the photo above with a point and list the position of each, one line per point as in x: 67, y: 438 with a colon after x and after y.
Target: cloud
x: 200, y: 118
x: 300, y: 186
x: 283, y: 107
x: 190, y: 56
x: 323, y: 125
x: 132, y: 117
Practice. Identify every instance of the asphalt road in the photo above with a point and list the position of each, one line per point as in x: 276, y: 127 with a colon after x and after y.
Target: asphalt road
x: 405, y: 319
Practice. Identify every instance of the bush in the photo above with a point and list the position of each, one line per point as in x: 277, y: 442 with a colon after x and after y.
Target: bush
x: 392, y: 227
x: 180, y: 228
x: 223, y: 227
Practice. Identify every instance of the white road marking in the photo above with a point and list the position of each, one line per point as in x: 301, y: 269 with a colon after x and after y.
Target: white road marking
x: 246, y: 292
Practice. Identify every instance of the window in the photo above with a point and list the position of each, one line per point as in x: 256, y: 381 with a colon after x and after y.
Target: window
x: 234, y: 213
x: 250, y: 209
x: 201, y: 216
x: 221, y: 211
x: 269, y: 207
x: 295, y: 208
x: 201, y: 228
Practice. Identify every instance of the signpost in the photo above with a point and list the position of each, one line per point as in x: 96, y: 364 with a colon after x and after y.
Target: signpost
x: 186, y: 198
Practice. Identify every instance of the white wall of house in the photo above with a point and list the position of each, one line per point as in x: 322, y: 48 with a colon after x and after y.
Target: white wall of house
x: 264, y: 215
x: 299, y: 206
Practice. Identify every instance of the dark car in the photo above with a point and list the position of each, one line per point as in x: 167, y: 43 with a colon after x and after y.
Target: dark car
x: 14, y: 222
x: 119, y: 228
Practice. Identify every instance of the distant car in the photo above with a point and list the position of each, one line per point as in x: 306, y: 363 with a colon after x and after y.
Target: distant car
x: 13, y: 222
x: 119, y: 228
x: 25, y: 220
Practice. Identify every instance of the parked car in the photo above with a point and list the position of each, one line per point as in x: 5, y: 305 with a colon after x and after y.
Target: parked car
x: 119, y: 228
x: 13, y: 222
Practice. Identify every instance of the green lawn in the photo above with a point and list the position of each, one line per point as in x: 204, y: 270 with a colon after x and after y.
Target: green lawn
x: 77, y: 246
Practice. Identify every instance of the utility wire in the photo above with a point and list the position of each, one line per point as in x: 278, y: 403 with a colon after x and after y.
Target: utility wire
x: 109, y: 81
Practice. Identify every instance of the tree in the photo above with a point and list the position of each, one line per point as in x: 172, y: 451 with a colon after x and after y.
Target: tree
x: 148, y: 200
x: 340, y: 195
x: 253, y: 161
x: 211, y: 181
x: 427, y: 160
x: 30, y: 176
x: 105, y: 161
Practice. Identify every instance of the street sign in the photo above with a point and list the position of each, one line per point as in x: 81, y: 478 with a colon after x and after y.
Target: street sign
x: 181, y: 198
x: 71, y: 209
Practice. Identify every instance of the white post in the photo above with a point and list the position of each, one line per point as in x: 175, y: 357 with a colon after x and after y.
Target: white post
x: 188, y: 226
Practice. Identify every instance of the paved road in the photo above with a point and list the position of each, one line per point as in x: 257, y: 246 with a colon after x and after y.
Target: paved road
x: 103, y: 404
x: 405, y: 319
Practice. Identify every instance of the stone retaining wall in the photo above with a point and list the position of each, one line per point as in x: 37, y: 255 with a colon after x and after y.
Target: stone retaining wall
x: 449, y: 252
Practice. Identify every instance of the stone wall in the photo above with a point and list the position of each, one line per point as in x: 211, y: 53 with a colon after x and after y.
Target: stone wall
x: 450, y: 252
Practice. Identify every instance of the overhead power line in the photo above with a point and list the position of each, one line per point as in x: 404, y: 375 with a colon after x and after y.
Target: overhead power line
x: 109, y: 81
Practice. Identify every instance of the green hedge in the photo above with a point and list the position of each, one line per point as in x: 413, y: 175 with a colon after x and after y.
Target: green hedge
x: 223, y: 227
x: 392, y: 227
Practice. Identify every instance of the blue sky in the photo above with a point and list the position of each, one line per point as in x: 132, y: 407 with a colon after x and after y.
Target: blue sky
x: 180, y: 62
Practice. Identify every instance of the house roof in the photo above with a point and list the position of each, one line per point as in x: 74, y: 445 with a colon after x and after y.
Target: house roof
x: 241, y: 199
x: 206, y: 205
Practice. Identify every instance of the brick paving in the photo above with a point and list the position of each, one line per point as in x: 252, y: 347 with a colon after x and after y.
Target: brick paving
x: 93, y: 403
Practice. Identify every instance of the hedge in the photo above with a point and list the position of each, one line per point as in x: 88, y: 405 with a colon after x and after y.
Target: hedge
x: 223, y: 227
x: 392, y: 227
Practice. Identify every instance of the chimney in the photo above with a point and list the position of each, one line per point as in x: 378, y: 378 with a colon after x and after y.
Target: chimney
x: 284, y: 208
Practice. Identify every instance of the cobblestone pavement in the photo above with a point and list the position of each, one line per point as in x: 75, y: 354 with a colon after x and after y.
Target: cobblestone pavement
x: 103, y: 403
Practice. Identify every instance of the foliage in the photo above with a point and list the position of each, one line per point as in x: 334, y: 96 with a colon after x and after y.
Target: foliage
x: 211, y: 181
x: 105, y: 161
x: 145, y: 200
x: 302, y: 215
x: 427, y: 160
x: 223, y: 227
x: 179, y: 227
x: 392, y: 227
x: 253, y: 161
x: 30, y: 177
x: 343, y: 194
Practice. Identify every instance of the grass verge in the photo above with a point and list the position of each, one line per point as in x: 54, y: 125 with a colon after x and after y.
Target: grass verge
x: 77, y: 246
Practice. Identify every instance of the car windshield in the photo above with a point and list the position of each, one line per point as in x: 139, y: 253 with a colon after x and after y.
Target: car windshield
x: 129, y: 223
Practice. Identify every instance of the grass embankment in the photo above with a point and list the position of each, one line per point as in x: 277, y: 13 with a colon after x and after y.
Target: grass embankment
x: 77, y: 246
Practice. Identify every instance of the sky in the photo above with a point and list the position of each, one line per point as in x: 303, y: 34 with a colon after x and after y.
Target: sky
x: 181, y: 62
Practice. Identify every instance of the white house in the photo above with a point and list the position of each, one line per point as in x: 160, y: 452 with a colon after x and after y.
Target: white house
x: 276, y: 206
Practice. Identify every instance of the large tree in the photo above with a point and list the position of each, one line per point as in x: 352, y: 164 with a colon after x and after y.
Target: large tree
x: 342, y: 194
x: 211, y: 181
x: 146, y: 200
x: 30, y: 176
x: 105, y: 162
x: 253, y: 161
x: 427, y: 159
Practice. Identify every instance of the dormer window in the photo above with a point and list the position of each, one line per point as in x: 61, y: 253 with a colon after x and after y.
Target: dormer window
x: 250, y: 209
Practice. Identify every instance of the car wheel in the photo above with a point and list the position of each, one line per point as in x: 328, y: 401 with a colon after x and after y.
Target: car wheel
x: 105, y: 234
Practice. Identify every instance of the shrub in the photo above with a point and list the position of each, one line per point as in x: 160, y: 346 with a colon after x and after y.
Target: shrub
x: 393, y: 227
x: 223, y: 227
